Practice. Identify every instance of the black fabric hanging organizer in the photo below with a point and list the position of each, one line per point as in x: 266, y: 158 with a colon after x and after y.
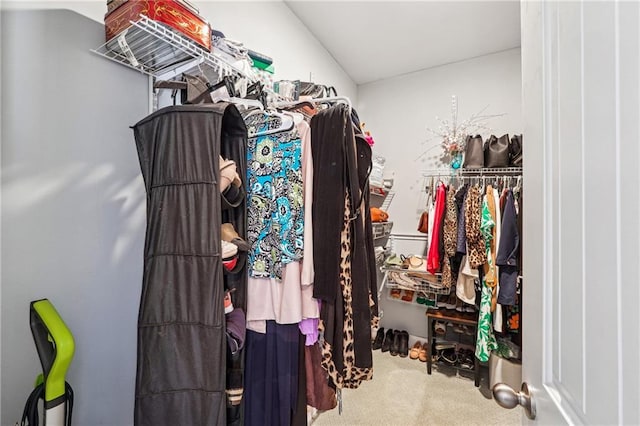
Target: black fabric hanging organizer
x: 181, y: 363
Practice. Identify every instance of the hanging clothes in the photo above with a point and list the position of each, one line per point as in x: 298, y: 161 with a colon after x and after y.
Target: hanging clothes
x: 271, y: 378
x: 461, y: 242
x: 497, y: 315
x: 450, y: 236
x: 431, y: 208
x: 181, y: 361
x: 274, y: 197
x: 433, y: 256
x: 476, y: 252
x: 344, y: 261
x: 507, y: 257
x: 485, y: 341
x: 288, y: 300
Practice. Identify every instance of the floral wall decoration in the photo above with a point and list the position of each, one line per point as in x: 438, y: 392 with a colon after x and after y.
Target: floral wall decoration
x: 453, y: 133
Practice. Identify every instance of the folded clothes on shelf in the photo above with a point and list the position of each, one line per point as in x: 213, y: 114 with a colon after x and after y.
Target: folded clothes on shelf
x: 262, y: 58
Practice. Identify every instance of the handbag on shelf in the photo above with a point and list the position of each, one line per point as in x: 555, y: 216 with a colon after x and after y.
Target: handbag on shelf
x: 515, y: 151
x: 423, y: 224
x: 474, y: 153
x: 378, y: 215
x: 496, y: 151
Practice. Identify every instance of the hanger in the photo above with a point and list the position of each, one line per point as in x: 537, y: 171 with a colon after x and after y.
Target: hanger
x: 226, y: 81
x: 343, y: 99
x: 286, y: 122
x: 255, y: 91
x: 247, y: 103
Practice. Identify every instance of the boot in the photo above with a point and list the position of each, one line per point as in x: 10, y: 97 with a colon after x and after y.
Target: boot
x: 388, y: 341
x: 404, y: 344
x: 377, y: 342
x: 395, y: 346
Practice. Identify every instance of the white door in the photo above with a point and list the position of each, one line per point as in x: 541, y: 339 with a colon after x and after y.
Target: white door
x: 580, y: 64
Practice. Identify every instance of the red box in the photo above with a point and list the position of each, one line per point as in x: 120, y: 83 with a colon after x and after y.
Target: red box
x: 168, y: 12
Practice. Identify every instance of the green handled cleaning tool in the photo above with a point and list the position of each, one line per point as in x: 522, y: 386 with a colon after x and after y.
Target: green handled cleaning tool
x: 55, y: 346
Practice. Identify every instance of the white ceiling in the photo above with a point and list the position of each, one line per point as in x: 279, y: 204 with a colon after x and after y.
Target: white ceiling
x: 375, y: 40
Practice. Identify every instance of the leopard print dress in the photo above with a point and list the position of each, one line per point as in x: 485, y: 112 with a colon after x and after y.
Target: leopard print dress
x: 475, y: 240
x: 450, y: 236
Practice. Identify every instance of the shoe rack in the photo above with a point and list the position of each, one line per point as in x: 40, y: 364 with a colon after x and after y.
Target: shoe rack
x: 457, y: 338
x: 410, y: 286
x: 381, y: 197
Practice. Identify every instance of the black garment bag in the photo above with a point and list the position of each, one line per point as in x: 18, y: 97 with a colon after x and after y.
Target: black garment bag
x: 181, y: 363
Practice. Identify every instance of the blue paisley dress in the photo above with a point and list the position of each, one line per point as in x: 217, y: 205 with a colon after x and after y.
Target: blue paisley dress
x: 274, y: 196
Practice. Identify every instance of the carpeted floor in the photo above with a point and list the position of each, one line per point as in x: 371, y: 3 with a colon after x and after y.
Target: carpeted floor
x: 401, y: 393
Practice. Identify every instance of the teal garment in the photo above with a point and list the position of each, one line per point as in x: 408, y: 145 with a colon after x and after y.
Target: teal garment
x: 485, y: 341
x: 275, y: 208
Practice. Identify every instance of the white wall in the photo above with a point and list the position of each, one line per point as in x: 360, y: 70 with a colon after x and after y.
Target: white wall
x: 271, y: 28
x: 399, y: 110
x: 267, y: 27
x: 73, y: 211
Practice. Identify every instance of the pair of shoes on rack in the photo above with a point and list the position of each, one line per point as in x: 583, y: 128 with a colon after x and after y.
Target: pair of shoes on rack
x: 452, y: 300
x: 463, y: 329
x: 428, y: 300
x: 393, y: 260
x: 466, y: 359
x: 449, y: 356
x: 447, y: 301
x: 419, y: 351
x: 395, y: 293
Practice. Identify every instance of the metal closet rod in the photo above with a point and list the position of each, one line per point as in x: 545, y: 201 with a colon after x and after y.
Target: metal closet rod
x: 478, y: 178
x: 514, y: 171
x: 400, y: 236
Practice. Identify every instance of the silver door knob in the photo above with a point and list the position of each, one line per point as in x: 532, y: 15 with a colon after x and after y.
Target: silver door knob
x: 507, y: 397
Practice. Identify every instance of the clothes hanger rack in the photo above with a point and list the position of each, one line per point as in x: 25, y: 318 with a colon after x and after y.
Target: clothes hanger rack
x: 343, y: 99
x: 497, y: 177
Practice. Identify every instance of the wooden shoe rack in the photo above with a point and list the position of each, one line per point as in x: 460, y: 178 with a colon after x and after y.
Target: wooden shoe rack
x: 456, y: 318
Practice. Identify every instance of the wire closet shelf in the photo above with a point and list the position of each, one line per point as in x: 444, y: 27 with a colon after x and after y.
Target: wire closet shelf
x: 395, y: 277
x: 154, y: 49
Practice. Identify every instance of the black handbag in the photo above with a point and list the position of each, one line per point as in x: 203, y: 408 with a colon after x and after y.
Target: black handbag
x: 474, y: 154
x: 496, y: 151
x: 515, y: 151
